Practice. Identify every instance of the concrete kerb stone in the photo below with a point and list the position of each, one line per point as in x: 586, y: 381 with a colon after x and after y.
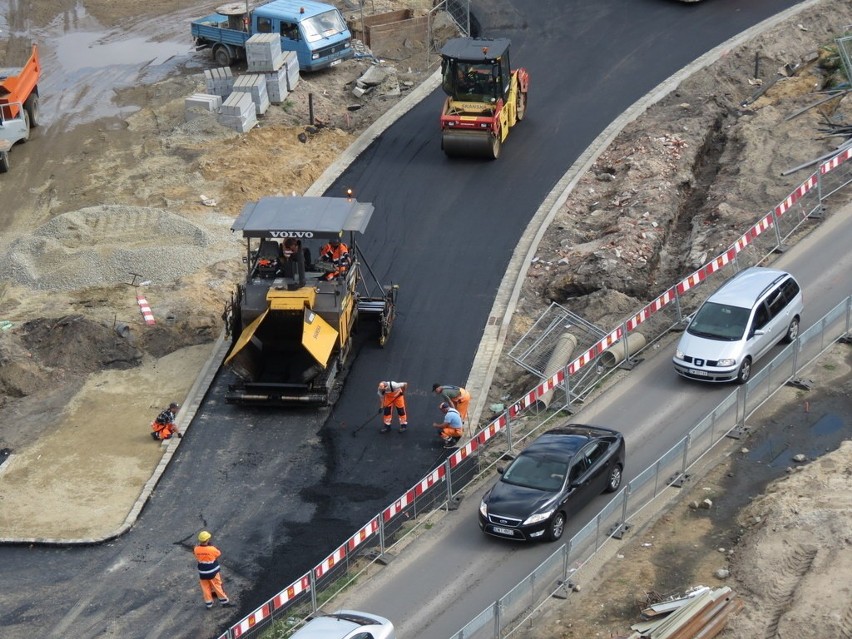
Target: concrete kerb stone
x: 371, y: 133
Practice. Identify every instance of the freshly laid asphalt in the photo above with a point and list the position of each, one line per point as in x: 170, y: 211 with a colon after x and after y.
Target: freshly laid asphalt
x: 281, y: 488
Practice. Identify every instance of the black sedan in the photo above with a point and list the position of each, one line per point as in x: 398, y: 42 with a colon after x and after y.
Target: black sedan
x: 555, y: 476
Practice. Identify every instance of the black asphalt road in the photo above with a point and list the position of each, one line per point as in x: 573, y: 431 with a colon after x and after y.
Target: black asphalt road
x: 280, y: 489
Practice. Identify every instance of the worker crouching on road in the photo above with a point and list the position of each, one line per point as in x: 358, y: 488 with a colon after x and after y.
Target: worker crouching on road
x: 335, y: 253
x: 451, y: 427
x: 457, y: 396
x: 164, y: 426
x: 392, y: 394
x: 209, y: 571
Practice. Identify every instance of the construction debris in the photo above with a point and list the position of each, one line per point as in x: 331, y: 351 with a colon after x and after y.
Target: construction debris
x: 701, y: 613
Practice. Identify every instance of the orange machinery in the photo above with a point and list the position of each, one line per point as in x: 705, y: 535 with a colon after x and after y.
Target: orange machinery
x: 18, y: 105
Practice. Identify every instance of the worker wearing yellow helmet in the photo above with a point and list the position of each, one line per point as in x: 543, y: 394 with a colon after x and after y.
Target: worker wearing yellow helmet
x: 209, y: 571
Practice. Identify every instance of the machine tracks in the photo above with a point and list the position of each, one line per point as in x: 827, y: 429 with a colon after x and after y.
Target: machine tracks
x: 794, y: 566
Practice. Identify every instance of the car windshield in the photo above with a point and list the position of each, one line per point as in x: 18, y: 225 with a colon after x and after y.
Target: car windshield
x: 719, y: 321
x: 324, y: 25
x: 541, y: 473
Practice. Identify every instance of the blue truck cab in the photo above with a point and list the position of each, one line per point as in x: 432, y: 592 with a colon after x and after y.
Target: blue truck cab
x: 316, y: 31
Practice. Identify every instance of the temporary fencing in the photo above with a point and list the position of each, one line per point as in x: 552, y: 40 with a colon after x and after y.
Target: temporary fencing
x: 556, y: 574
x: 441, y: 486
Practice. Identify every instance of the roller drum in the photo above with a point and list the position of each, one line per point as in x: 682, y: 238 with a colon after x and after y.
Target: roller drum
x: 479, y: 144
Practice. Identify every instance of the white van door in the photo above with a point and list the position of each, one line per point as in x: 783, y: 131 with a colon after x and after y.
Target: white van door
x: 760, y: 335
x: 779, y: 315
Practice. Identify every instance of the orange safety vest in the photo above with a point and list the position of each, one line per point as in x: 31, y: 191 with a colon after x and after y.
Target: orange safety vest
x: 208, y: 564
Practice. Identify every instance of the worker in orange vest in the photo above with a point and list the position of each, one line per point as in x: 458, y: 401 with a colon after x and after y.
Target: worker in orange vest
x: 392, y: 394
x: 209, y: 571
x: 164, y: 426
x: 457, y: 396
x: 335, y: 253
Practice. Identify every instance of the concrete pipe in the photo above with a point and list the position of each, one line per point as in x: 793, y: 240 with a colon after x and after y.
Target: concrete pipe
x: 614, y: 355
x: 559, y: 358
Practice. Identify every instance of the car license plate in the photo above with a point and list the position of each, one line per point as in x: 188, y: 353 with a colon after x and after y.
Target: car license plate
x: 333, y: 62
x: 504, y: 531
x: 701, y: 373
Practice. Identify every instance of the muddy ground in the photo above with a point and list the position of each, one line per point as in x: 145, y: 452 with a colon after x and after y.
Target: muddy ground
x: 677, y: 186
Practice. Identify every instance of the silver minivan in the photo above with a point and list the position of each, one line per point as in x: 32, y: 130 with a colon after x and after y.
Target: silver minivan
x: 738, y: 324
x: 346, y: 624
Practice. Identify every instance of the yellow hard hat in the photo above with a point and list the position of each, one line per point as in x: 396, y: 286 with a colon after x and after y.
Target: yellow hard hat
x: 204, y: 536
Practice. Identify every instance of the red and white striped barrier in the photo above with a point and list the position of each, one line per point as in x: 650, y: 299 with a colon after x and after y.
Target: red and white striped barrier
x: 501, y: 422
x: 303, y: 584
x: 364, y: 534
x: 147, y: 313
x: 331, y: 561
x: 251, y: 621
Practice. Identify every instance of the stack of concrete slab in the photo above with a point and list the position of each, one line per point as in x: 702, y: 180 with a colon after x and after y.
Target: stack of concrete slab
x: 203, y: 101
x: 291, y: 63
x: 254, y: 84
x: 219, y: 81
x: 238, y: 112
x: 276, y: 85
x: 263, y: 53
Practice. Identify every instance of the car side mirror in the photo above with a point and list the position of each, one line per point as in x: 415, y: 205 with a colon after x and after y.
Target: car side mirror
x: 500, y: 470
x: 759, y: 331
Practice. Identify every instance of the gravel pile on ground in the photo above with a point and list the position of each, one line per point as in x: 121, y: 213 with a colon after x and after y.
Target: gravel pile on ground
x: 102, y: 245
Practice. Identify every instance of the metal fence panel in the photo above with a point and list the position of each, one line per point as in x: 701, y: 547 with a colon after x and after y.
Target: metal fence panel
x: 642, y: 489
x: 712, y: 428
x: 834, y: 180
x: 766, y: 381
x: 535, y: 588
x: 482, y: 626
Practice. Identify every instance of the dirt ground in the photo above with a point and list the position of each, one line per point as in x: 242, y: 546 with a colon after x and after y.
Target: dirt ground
x: 677, y: 186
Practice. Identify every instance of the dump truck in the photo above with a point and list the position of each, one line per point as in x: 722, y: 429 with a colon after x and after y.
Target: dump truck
x: 292, y: 320
x: 316, y: 31
x: 485, y: 96
x: 18, y: 105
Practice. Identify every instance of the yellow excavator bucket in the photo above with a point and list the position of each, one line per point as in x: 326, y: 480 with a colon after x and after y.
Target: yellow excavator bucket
x: 318, y: 337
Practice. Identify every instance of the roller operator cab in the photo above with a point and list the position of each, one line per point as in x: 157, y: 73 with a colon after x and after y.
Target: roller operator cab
x: 292, y: 319
x: 485, y: 96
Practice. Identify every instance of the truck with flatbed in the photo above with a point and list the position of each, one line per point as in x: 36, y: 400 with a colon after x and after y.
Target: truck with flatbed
x: 19, y: 111
x: 292, y: 319
x: 316, y: 31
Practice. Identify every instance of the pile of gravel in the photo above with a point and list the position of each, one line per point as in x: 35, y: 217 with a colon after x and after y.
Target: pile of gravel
x: 102, y: 245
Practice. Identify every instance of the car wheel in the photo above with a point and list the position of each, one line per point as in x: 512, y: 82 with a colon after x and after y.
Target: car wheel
x: 614, y: 480
x: 745, y: 371
x: 792, y: 331
x: 556, y: 527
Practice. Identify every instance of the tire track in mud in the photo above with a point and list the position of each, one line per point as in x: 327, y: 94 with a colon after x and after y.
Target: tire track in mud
x: 793, y: 569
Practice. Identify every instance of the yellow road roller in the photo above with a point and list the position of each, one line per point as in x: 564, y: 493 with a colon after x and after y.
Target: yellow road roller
x: 485, y: 97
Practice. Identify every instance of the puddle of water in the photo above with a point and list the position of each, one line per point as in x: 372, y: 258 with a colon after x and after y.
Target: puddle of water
x: 776, y: 451
x: 80, y: 52
x: 83, y: 70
